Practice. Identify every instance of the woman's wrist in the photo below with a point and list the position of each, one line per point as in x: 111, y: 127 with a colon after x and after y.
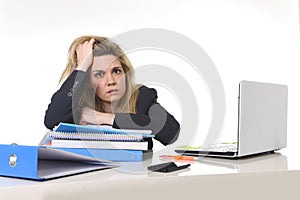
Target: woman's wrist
x: 81, y: 68
x: 107, y: 118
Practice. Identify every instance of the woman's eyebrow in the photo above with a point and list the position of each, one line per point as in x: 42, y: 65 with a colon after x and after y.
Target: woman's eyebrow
x: 97, y: 70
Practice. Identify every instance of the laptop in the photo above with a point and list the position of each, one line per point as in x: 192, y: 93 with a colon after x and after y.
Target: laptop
x: 262, y: 123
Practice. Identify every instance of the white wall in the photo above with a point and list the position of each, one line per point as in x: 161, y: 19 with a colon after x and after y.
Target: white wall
x: 250, y: 39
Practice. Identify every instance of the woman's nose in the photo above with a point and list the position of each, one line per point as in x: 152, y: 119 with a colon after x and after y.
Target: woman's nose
x: 111, y: 80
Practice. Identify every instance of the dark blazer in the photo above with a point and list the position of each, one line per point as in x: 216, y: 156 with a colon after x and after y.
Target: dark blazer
x: 150, y: 114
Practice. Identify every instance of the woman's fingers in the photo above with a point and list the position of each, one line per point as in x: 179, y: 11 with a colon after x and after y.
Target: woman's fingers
x: 84, y: 53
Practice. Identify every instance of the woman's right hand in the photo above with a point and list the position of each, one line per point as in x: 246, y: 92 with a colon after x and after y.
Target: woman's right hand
x: 84, y: 53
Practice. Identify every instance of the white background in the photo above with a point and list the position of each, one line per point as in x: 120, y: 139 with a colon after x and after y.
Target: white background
x: 247, y: 40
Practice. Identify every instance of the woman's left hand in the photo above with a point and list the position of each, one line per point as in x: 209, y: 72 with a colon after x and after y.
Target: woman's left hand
x: 91, y: 116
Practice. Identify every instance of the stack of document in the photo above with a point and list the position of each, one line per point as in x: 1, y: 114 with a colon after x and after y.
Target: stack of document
x: 104, y: 142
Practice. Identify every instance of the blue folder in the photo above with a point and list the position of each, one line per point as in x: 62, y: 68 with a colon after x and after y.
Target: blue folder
x: 42, y: 163
x: 118, y: 155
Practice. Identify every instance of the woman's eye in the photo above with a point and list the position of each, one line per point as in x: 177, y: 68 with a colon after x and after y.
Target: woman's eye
x: 99, y: 74
x: 117, y: 71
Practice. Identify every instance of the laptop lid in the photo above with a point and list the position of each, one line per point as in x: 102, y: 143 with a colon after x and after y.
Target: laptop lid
x: 262, y: 123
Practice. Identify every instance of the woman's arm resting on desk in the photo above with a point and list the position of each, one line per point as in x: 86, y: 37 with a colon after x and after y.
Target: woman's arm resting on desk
x: 150, y: 115
x: 165, y: 130
x: 90, y: 116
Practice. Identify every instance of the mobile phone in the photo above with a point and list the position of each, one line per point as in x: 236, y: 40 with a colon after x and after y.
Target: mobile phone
x: 167, y: 167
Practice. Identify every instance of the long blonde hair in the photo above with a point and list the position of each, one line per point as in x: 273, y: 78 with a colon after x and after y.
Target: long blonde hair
x: 104, y: 46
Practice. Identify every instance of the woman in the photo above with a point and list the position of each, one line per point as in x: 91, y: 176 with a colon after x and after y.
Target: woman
x: 98, y: 88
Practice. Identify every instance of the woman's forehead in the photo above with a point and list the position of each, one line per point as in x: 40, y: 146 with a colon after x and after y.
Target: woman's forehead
x: 105, y: 62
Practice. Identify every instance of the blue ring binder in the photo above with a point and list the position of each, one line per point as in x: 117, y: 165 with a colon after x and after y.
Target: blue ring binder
x: 41, y: 163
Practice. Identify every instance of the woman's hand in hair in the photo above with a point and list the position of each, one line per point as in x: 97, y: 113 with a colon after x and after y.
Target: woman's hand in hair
x: 90, y: 116
x: 84, y: 53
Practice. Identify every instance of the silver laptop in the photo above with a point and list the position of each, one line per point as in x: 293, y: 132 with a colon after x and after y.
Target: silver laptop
x: 262, y: 122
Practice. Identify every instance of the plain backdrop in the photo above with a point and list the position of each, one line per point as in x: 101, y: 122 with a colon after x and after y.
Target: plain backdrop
x: 247, y: 40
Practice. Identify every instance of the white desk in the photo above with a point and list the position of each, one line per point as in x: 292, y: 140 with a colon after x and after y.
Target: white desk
x: 262, y: 177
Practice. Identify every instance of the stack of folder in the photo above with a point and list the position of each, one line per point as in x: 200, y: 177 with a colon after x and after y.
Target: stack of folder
x: 103, y: 142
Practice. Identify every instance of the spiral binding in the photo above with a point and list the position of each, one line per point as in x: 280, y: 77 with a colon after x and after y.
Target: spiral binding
x: 93, y: 136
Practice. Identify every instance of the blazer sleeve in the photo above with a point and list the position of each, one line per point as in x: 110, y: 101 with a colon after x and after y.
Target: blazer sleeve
x: 151, y: 115
x: 65, y: 102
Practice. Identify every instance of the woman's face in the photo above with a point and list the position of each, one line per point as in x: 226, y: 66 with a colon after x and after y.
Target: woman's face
x: 107, y: 78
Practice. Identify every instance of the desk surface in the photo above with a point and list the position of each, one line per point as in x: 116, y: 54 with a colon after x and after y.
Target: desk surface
x: 268, y: 171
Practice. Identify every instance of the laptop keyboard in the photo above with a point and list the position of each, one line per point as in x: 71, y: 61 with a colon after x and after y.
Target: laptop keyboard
x: 221, y: 148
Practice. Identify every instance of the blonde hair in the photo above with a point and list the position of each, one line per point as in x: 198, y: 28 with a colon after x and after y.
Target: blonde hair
x: 104, y: 46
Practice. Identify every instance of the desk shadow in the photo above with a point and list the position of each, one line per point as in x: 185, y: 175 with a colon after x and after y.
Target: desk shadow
x: 269, y: 162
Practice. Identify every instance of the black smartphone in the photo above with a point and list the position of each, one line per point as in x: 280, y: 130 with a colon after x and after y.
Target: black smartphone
x: 167, y: 167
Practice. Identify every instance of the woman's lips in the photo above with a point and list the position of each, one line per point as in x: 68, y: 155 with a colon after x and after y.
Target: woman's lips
x: 115, y: 91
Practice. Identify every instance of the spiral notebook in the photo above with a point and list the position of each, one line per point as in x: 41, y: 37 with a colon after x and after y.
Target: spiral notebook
x: 105, y: 129
x: 80, y: 136
x: 94, y: 141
